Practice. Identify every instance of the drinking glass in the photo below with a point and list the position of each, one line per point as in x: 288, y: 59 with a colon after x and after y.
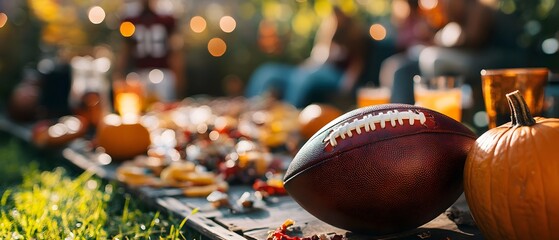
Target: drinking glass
x: 442, y: 94
x: 496, y: 83
x: 368, y: 96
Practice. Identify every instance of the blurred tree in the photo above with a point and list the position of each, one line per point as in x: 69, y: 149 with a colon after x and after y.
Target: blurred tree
x: 265, y: 30
x: 19, y: 44
x: 540, y: 32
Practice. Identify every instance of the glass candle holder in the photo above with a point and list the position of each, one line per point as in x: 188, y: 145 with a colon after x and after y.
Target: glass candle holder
x: 128, y: 99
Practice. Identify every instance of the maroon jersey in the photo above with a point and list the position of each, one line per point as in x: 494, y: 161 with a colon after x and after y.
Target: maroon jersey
x: 150, y: 45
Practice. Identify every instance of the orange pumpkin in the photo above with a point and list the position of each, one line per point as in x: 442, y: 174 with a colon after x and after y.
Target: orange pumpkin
x: 313, y: 117
x: 511, y: 177
x: 122, y: 141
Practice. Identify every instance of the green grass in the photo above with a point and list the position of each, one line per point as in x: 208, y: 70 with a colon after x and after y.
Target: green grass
x: 40, y: 200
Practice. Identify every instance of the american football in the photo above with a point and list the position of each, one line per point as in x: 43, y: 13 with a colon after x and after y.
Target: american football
x: 381, y: 169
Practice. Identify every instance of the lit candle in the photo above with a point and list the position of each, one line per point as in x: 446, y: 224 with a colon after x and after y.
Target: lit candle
x: 128, y: 99
x: 128, y: 106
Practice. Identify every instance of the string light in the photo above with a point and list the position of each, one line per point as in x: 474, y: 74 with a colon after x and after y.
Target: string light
x: 227, y: 24
x: 197, y: 24
x: 217, y: 47
x: 3, y: 19
x: 378, y: 32
x: 96, y: 15
x: 428, y: 4
x: 127, y: 29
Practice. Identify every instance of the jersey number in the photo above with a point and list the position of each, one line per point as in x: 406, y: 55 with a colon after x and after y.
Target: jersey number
x: 151, y: 41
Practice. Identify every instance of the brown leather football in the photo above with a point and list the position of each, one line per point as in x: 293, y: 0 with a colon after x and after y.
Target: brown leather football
x: 381, y: 169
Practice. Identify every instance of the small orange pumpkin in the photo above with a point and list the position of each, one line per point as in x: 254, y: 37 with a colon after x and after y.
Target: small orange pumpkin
x: 121, y: 140
x: 511, y: 177
x: 313, y: 117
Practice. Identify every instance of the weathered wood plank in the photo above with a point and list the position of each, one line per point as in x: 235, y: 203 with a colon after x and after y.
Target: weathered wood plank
x: 88, y: 163
x: 22, y: 131
x: 197, y: 221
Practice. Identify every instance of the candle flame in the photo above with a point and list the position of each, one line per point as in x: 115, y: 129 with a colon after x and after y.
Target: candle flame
x: 128, y: 106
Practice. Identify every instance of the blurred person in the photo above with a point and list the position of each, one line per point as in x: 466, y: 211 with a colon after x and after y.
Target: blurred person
x: 474, y: 36
x: 414, y: 32
x: 477, y: 36
x: 154, y: 52
x: 334, y: 68
x: 25, y: 99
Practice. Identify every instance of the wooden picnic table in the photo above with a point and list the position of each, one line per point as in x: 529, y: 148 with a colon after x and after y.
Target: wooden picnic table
x: 222, y: 223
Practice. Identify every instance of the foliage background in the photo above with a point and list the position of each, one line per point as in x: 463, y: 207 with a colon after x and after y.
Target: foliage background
x: 43, y: 29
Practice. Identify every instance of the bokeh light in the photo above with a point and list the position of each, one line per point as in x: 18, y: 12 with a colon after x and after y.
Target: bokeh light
x: 533, y: 27
x: 227, y: 24
x: 268, y: 39
x: 400, y: 9
x: 303, y: 22
x: 348, y: 7
x: 378, y: 32
x: 197, y: 24
x: 247, y: 10
x: 45, y: 66
x: 550, y: 46
x: 310, y: 112
x: 96, y: 15
x: 378, y: 8
x: 508, y: 7
x: 481, y: 119
x: 490, y: 3
x: 102, y: 64
x: 428, y: 4
x: 323, y: 8
x: 127, y: 29
x: 214, y: 11
x: 156, y: 76
x: 217, y: 47
x: 545, y: 8
x: 57, y: 130
x: 273, y: 10
x: 3, y: 19
x: 451, y: 34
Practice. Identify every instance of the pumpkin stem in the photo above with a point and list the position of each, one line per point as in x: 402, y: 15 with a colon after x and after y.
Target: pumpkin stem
x: 520, y: 114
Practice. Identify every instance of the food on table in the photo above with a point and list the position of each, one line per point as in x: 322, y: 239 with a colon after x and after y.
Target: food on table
x: 249, y: 199
x: 56, y: 133
x: 511, y: 177
x: 137, y: 176
x: 198, y: 178
x: 172, y: 174
x: 281, y: 233
x: 202, y: 145
x: 248, y: 161
x: 272, y: 126
x: 381, y: 169
x: 185, y: 175
x: 271, y: 187
x: 156, y: 162
x: 205, y: 190
x: 218, y: 199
